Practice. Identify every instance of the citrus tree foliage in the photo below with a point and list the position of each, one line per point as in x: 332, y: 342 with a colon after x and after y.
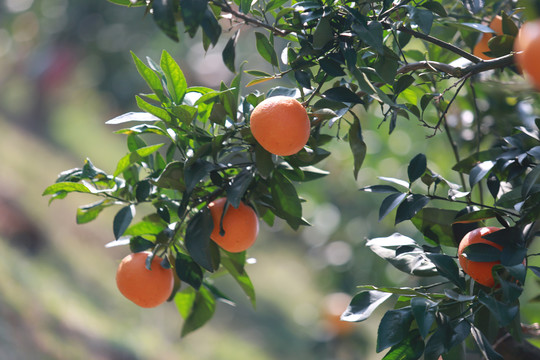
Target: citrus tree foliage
x: 409, y: 62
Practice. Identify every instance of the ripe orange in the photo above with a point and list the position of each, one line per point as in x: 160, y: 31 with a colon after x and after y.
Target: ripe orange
x: 281, y: 125
x: 527, y: 48
x: 241, y: 226
x: 482, y: 46
x: 146, y: 288
x: 479, y: 271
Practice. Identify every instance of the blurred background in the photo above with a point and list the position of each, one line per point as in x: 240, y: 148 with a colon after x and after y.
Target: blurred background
x: 65, y: 69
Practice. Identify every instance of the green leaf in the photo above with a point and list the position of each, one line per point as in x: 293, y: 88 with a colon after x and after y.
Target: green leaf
x: 229, y: 53
x: 188, y: 270
x: 285, y: 199
x: 195, y: 172
x: 176, y: 82
x: 448, y: 268
x: 211, y: 27
x: 263, y: 161
x: 393, y: 328
x: 435, y: 7
x: 154, y: 110
x: 411, y: 348
x: 482, y: 253
x: 265, y: 49
x: 371, y: 34
x: 238, y: 187
x: 192, y: 14
x: 122, y: 219
x: 151, y: 78
x: 358, y: 146
x: 331, y: 67
x: 363, y: 304
x: 202, y: 310
x: 417, y: 167
x: 421, y: 17
x: 235, y: 267
x: 163, y: 15
x: 67, y: 187
x: 87, y: 213
x: 172, y: 177
x: 424, y: 313
x: 390, y: 203
x: 138, y: 244
x: 342, y: 94
x: 403, y: 83
x: 245, y: 6
x: 436, y: 224
x: 480, y: 171
x: 134, y: 157
x: 145, y: 227
x: 408, y: 208
x: 198, y: 242
x: 478, y: 215
x: 323, y: 33
x: 504, y: 313
x: 530, y: 179
x: 132, y: 116
x: 413, y: 261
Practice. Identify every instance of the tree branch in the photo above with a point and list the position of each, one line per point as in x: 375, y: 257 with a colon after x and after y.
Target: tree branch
x: 224, y: 5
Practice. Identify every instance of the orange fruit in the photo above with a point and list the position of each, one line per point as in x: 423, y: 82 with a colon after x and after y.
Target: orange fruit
x: 482, y: 46
x: 241, y: 226
x: 479, y: 271
x: 280, y: 124
x: 333, y: 306
x: 527, y: 48
x: 146, y: 288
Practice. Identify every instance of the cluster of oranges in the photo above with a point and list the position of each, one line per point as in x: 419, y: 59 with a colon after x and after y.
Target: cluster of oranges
x: 281, y: 126
x: 526, y: 47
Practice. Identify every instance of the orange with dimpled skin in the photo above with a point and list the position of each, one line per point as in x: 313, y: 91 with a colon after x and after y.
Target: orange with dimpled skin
x: 280, y: 124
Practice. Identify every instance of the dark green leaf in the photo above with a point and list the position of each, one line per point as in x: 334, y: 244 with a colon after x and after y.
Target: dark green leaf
x: 422, y: 18
x: 192, y: 14
x: 245, y: 6
x: 448, y: 268
x: 393, y: 328
x: 478, y: 215
x: 484, y: 345
x: 197, y: 171
x: 363, y: 304
x: 410, y: 207
x: 417, y: 167
x: 138, y: 244
x: 265, y: 49
x: 530, y: 179
x: 188, y: 270
x: 504, y: 313
x: 122, y: 219
x: 229, y: 53
x: 323, y: 33
x: 342, y: 94
x: 482, y: 253
x: 331, y: 67
x: 480, y: 171
x: 411, y: 348
x: 198, y: 242
x: 238, y: 187
x: 163, y: 14
x: 403, y: 83
x: 371, y: 34
x: 424, y: 314
x: 263, y: 160
x: 435, y: 7
x: 436, y: 224
x: 357, y: 145
x: 172, y: 177
x: 211, y: 27
x: 390, y: 203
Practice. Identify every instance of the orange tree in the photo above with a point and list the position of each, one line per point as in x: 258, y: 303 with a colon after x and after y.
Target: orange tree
x: 400, y: 60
